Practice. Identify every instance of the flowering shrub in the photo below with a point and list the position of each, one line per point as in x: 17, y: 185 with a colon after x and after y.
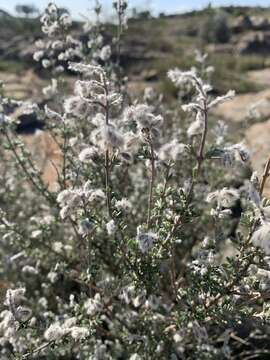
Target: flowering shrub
x: 152, y: 242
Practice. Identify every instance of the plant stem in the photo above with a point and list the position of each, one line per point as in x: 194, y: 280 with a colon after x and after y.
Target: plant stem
x: 22, y: 164
x: 152, y: 181
x: 38, y: 349
x: 200, y: 159
x: 163, y: 195
x: 203, y: 138
x: 64, y: 157
x: 107, y: 180
x: 240, y: 273
x: 200, y: 156
x: 107, y: 155
x: 265, y: 176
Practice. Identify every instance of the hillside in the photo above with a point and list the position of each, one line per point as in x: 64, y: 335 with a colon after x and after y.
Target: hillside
x: 152, y: 46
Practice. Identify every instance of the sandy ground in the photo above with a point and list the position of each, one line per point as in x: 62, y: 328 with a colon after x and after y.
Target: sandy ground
x: 261, y: 77
x: 246, y: 106
x: 47, y: 156
x: 24, y: 85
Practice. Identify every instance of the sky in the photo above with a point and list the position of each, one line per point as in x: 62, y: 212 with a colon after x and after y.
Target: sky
x: 78, y: 7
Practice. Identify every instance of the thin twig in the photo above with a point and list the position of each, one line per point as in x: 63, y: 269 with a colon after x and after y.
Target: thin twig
x: 265, y: 176
x: 107, y: 158
x: 152, y: 182
x: 38, y: 349
x: 163, y: 194
x: 239, y: 273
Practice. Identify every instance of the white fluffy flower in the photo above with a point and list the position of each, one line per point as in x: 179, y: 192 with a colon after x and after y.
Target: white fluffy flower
x: 78, y: 332
x: 110, y: 226
x: 57, y: 246
x: 14, y: 296
x: 76, y: 106
x: 96, y: 195
x: 94, y: 305
x: 135, y: 357
x: 196, y: 127
x: 179, y: 77
x: 142, y: 114
x: 27, y: 269
x: 36, y: 234
x: 225, y: 198
x: 86, y: 89
x: 69, y: 322
x: 87, y: 69
x: 108, y: 137
x: 38, y: 55
x: 65, y: 212
x: 54, y: 332
x: 105, y: 53
x: 52, y: 276
x: 64, y: 196
x: 261, y: 237
x: 66, y: 20
x: 51, y: 90
x: 51, y: 8
x: 51, y: 114
x: 70, y: 198
x: 171, y: 151
x: 200, y: 57
x: 87, y: 155
x: 220, y: 99
x: 123, y: 204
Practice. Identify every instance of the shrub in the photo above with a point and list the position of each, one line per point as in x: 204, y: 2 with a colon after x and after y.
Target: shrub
x: 215, y: 28
x: 121, y: 256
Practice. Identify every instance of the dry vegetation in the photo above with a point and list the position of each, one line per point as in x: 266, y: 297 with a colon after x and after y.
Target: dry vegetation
x: 134, y: 195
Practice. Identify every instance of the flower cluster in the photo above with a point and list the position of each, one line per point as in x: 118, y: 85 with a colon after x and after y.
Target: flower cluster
x: 60, y: 46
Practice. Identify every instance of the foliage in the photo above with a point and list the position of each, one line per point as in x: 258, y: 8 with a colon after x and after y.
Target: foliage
x: 215, y: 28
x: 26, y: 10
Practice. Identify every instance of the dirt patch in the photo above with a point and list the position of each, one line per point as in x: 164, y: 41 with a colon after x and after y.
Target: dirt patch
x: 47, y: 156
x: 26, y: 85
x: 260, y: 77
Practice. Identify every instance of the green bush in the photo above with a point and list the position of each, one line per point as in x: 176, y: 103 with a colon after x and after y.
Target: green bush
x: 215, y: 28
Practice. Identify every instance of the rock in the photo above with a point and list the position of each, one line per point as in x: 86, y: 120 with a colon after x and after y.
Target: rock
x: 47, y: 156
x: 260, y: 23
x: 45, y: 149
x: 242, y: 23
x: 257, y: 139
x: 241, y: 107
x: 254, y: 42
x: 29, y: 123
x: 150, y: 75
